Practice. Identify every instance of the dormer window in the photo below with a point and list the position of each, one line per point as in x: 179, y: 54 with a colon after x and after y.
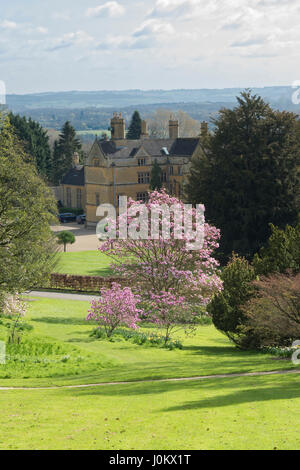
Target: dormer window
x: 141, y: 161
x: 96, y: 162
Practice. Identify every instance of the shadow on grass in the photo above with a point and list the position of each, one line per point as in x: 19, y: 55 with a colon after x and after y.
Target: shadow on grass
x: 238, y: 391
x: 215, y: 351
x: 257, y: 394
x: 63, y: 321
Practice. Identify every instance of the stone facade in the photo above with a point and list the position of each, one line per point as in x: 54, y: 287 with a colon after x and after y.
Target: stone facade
x: 121, y: 167
x: 73, y: 186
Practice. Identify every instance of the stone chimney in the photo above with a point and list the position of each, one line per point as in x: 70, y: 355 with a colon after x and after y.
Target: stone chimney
x: 118, y: 127
x: 76, y: 160
x: 204, y: 129
x: 144, y: 133
x: 173, y: 129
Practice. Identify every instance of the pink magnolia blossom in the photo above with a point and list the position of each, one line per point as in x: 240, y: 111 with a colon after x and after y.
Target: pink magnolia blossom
x: 114, y: 308
x: 169, y: 278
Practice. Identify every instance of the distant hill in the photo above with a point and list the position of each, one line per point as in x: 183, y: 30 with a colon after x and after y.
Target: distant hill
x: 93, y: 109
x: 84, y: 99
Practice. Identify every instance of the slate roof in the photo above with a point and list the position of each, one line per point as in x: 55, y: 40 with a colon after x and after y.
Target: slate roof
x: 175, y: 147
x: 184, y: 146
x: 74, y: 177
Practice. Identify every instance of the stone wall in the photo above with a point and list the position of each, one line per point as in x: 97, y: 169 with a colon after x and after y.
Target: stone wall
x: 80, y: 283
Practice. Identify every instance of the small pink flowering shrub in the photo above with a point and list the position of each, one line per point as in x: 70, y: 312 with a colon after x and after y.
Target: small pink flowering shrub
x: 116, y: 307
x: 13, y: 307
x: 14, y: 310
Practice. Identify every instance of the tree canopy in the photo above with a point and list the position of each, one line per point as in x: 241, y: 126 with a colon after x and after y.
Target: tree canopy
x: 27, y: 206
x: 248, y: 175
x: 35, y: 141
x: 65, y: 238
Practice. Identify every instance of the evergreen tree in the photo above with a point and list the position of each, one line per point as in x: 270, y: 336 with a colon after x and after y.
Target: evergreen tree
x: 248, y: 177
x: 135, y: 127
x: 35, y: 141
x: 155, y: 181
x: 63, y: 152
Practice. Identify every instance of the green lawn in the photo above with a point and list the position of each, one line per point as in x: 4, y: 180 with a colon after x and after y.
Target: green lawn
x: 240, y: 413
x: 84, y: 263
x: 208, y: 352
x: 232, y: 413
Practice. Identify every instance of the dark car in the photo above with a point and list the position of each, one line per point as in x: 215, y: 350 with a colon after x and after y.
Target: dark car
x: 80, y: 219
x: 67, y: 217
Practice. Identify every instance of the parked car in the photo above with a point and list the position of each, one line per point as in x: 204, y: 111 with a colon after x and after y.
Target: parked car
x: 67, y: 217
x: 80, y: 219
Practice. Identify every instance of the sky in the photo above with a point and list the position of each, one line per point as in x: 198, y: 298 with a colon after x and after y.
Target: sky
x: 62, y: 45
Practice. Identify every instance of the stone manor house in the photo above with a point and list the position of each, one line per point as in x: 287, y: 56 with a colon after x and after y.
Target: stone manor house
x: 121, y: 167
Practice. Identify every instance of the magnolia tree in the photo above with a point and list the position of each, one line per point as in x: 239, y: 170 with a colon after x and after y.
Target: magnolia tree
x: 114, y: 308
x: 162, y: 266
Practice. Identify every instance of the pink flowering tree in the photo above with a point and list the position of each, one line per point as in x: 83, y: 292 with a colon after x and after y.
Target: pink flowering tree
x: 116, y: 307
x: 12, y: 308
x: 171, y: 279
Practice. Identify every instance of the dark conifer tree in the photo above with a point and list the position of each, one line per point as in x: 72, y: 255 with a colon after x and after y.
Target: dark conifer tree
x: 155, y: 181
x: 135, y: 127
x: 63, y: 152
x: 35, y: 141
x: 248, y: 176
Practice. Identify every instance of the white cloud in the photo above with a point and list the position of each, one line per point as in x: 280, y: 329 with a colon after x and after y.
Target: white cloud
x: 181, y: 9
x: 108, y: 9
x: 126, y: 42
x: 154, y: 27
x: 6, y: 24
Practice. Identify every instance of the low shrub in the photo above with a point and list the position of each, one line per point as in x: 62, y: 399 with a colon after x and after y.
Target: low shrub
x: 282, y: 352
x: 38, y: 357
x: 272, y: 316
x: 226, y: 307
x: 138, y: 337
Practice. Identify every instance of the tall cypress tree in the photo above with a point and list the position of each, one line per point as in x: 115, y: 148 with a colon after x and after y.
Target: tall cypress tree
x: 63, y: 151
x: 135, y: 127
x: 155, y: 181
x: 248, y: 177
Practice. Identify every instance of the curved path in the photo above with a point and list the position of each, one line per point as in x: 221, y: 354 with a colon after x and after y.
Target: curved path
x: 201, y: 377
x: 59, y: 295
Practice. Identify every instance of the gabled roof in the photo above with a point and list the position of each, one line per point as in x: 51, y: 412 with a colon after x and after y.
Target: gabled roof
x: 184, y: 146
x: 175, y: 147
x: 74, y: 177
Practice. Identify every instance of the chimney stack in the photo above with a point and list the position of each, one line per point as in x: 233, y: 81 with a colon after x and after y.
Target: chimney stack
x: 144, y: 133
x: 118, y: 127
x: 173, y: 129
x: 76, y: 160
x: 204, y: 129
